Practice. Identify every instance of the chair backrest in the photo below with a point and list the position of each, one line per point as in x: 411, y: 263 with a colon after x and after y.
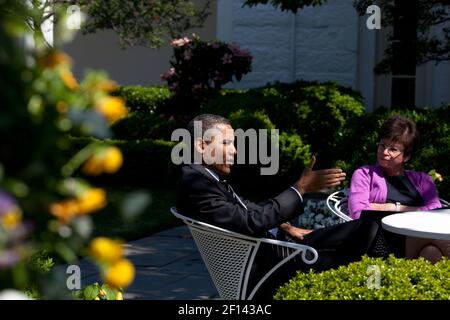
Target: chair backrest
x: 337, y: 202
x: 229, y: 256
x: 445, y: 203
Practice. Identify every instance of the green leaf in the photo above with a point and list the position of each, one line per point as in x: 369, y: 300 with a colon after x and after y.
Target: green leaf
x: 110, y: 292
x: 91, y: 292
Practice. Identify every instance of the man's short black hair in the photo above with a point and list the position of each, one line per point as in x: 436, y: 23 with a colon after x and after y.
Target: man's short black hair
x: 208, y: 121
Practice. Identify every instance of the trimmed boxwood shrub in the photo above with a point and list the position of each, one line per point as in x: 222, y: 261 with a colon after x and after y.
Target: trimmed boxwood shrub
x: 400, y: 279
x: 143, y: 99
x: 294, y: 155
x: 139, y: 125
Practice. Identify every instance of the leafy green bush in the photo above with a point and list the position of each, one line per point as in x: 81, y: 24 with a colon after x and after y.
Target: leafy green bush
x: 293, y: 155
x: 143, y: 99
x: 96, y: 291
x: 318, y: 112
x: 432, y: 152
x: 40, y: 264
x: 140, y: 126
x: 245, y: 120
x: 400, y: 279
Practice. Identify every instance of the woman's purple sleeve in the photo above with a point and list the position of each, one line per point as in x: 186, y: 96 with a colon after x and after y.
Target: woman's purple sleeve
x: 358, y: 198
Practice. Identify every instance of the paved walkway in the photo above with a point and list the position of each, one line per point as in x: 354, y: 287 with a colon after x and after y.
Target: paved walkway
x: 168, y: 267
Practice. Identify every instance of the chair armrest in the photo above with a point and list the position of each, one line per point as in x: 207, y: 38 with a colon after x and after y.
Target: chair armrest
x: 296, y: 246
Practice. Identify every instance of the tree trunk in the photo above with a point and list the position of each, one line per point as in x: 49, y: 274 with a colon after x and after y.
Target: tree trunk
x: 404, y: 54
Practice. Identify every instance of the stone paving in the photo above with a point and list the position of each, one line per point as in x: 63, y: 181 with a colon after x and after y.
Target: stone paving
x: 168, y: 267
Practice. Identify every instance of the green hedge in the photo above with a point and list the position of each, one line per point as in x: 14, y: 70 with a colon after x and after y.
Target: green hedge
x: 139, y: 125
x: 318, y: 112
x: 322, y: 118
x: 143, y: 99
x: 293, y: 156
x: 400, y: 279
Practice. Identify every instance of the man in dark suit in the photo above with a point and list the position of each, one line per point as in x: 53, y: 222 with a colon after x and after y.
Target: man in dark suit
x: 203, y: 194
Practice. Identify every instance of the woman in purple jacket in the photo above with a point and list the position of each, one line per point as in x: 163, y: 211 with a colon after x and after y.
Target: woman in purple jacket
x: 387, y: 186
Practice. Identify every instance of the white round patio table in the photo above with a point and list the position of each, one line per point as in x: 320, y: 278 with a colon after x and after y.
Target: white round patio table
x: 422, y: 224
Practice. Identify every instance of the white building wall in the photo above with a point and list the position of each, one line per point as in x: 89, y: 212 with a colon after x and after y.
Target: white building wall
x: 319, y: 43
x: 325, y: 43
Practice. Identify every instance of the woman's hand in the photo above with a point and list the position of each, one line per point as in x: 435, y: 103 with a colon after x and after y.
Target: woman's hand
x: 314, y: 181
x: 383, y: 206
x: 391, y: 207
x: 294, y: 232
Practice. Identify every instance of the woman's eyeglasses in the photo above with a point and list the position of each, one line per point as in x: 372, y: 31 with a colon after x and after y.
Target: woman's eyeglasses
x: 392, y: 151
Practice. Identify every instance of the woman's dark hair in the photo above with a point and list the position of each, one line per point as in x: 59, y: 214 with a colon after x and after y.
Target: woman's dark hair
x: 402, y: 130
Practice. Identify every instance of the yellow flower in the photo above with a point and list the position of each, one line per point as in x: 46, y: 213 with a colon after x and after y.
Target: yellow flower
x: 113, y: 159
x: 120, y: 274
x: 65, y: 210
x: 92, y: 200
x: 112, y: 108
x: 119, y: 296
x: 102, y: 293
x: 54, y: 59
x: 68, y: 78
x: 93, y: 166
x: 106, y: 86
x: 107, y: 250
x: 62, y: 107
x: 11, y: 219
x: 108, y: 160
x: 437, y: 177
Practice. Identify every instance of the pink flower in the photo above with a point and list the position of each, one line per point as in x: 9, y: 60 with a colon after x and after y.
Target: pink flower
x: 180, y: 42
x: 236, y: 49
x: 168, y: 74
x: 174, y: 86
x: 226, y: 59
x: 187, y: 55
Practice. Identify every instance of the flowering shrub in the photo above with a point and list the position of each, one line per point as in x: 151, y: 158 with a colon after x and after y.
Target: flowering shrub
x: 43, y: 206
x: 200, y: 66
x: 436, y: 176
x: 316, y: 215
x: 117, y: 272
x: 13, y: 232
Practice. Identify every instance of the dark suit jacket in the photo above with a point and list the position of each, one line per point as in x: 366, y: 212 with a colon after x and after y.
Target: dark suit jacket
x: 202, y: 197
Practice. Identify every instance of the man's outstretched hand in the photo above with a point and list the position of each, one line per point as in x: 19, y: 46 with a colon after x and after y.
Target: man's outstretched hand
x: 314, y: 181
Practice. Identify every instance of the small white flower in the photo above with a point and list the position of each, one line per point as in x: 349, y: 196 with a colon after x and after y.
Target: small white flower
x: 13, y: 294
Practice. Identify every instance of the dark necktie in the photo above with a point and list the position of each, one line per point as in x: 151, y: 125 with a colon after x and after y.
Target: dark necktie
x: 231, y: 191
